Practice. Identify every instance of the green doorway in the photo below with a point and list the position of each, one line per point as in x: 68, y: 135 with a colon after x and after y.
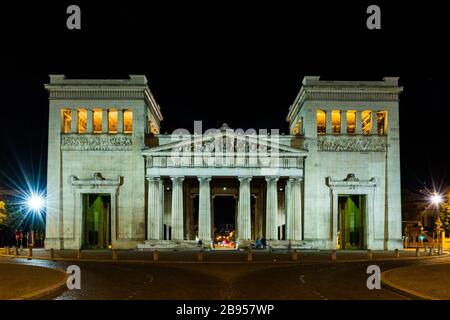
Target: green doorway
x: 96, y: 221
x: 351, y: 219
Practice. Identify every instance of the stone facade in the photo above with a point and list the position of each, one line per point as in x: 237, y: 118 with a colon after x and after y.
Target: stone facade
x: 104, y: 139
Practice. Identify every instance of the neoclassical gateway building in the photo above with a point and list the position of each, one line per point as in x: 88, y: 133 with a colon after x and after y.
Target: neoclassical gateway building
x: 115, y: 181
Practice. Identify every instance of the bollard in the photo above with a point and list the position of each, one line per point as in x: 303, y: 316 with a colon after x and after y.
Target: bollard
x: 30, y: 252
x: 417, y: 252
x: 155, y: 255
x: 440, y: 249
x: 7, y: 250
x: 432, y: 251
x: 295, y: 255
x: 397, y: 253
x: 79, y: 254
x: 16, y: 251
x: 333, y: 255
x: 249, y: 256
x: 114, y: 254
x: 200, y: 256
x: 369, y: 254
x: 52, y: 253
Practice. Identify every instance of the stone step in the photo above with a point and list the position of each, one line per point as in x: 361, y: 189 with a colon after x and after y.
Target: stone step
x: 282, y: 244
x: 167, y: 244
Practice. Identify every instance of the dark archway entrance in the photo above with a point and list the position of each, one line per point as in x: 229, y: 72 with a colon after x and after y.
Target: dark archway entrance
x: 224, y: 222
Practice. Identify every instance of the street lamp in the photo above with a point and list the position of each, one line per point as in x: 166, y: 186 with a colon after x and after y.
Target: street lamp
x: 35, y: 203
x: 436, y: 199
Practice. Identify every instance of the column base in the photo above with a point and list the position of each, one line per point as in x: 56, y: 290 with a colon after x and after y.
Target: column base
x: 243, y: 244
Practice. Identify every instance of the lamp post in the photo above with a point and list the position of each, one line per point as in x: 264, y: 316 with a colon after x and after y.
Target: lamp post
x: 35, y: 204
x: 436, y: 200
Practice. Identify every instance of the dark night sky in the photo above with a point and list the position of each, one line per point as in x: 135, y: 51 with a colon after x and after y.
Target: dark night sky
x: 222, y: 61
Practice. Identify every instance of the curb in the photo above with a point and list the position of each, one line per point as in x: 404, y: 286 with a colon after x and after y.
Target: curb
x: 402, y: 290
x: 47, y: 292
x: 298, y: 262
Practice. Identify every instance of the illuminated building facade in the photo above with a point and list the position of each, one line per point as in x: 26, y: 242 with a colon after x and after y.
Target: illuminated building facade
x: 115, y: 181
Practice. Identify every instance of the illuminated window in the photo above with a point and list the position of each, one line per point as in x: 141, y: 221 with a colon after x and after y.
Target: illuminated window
x: 82, y: 121
x: 366, y: 122
x: 66, y: 121
x: 336, y: 121
x: 112, y: 121
x: 321, y: 122
x: 382, y: 122
x: 351, y: 122
x: 297, y: 129
x: 97, y: 121
x: 127, y: 121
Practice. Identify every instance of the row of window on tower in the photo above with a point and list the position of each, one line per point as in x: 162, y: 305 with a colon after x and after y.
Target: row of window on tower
x: 352, y: 122
x: 96, y: 121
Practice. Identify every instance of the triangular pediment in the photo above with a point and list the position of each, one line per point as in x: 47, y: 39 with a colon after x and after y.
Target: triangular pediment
x: 224, y: 142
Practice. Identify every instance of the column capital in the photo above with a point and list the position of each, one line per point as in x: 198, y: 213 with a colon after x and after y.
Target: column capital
x: 204, y: 178
x: 272, y: 178
x: 177, y: 178
x: 295, y: 178
x: 153, y: 178
x: 245, y: 178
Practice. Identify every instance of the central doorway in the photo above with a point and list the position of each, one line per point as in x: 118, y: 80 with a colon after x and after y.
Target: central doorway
x: 351, y: 220
x: 96, y: 221
x: 224, y: 222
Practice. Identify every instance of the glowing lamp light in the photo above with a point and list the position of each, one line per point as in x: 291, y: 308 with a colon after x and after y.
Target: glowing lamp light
x: 35, y: 203
x: 436, y: 199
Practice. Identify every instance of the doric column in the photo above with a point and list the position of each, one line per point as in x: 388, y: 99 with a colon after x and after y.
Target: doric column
x: 288, y: 211
x: 105, y: 121
x: 74, y: 121
x: 261, y: 212
x: 154, y: 209
x: 244, y: 210
x: 119, y: 121
x: 271, y: 209
x: 89, y: 121
x: 358, y: 122
x: 204, y: 210
x: 161, y: 208
x: 294, y: 210
x: 177, y: 208
x: 344, y: 122
x: 329, y: 128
